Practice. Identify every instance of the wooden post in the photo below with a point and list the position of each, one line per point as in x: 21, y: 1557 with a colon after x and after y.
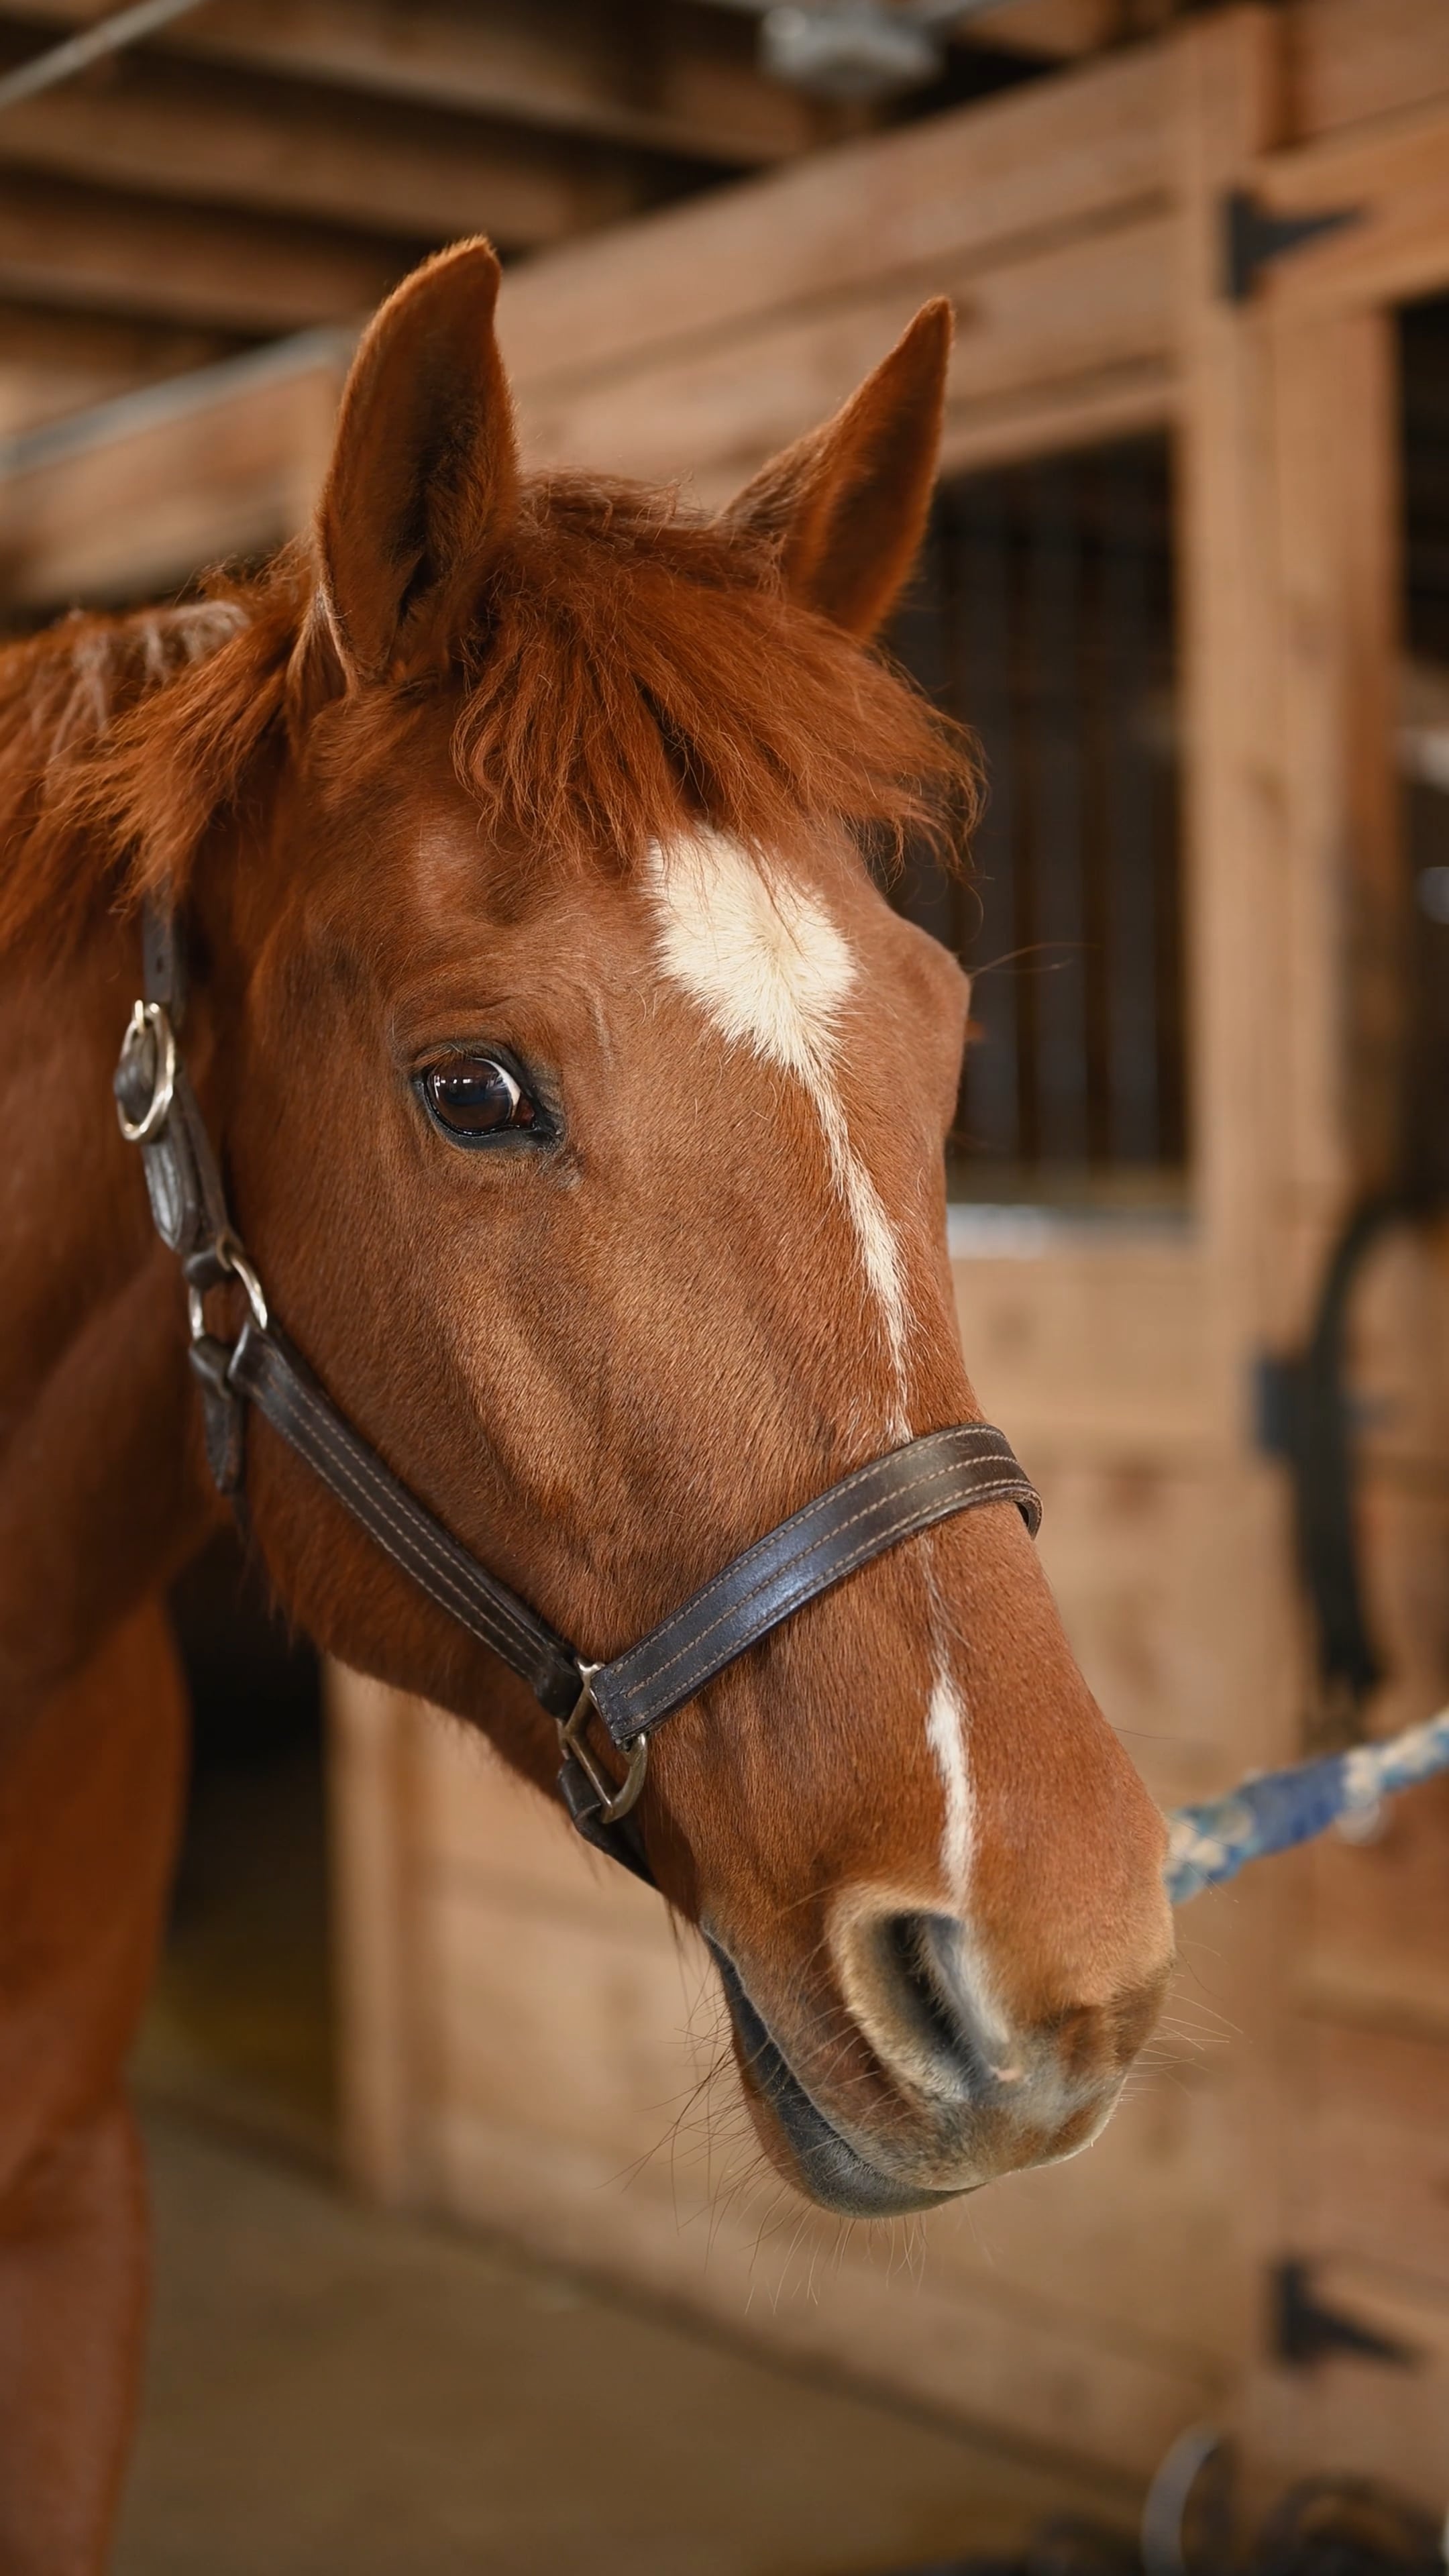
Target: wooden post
x: 1238, y: 915
x: 375, y: 1908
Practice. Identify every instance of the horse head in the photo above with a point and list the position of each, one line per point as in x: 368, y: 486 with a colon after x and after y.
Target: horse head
x: 582, y: 1100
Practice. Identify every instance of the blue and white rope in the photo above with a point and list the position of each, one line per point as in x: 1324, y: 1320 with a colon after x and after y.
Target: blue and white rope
x: 1275, y: 1810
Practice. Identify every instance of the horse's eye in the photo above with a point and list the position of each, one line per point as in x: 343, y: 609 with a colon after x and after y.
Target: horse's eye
x: 474, y: 1096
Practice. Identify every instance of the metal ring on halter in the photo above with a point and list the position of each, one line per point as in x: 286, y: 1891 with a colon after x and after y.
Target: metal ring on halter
x: 152, y: 1017
x: 229, y: 1256
x: 614, y: 1800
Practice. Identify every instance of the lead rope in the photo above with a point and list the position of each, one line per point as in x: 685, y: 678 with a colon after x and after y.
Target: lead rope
x: 1272, y: 1810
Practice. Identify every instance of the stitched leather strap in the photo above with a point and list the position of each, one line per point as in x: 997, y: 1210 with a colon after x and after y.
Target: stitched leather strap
x: 279, y: 1383
x: 869, y: 1511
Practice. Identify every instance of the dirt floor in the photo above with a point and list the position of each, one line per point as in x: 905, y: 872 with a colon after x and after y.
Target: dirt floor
x: 333, y: 2392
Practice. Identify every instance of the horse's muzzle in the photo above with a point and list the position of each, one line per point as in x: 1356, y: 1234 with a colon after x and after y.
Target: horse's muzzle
x: 913, y: 2090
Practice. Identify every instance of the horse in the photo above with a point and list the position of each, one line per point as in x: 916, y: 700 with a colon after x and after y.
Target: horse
x: 580, y: 1098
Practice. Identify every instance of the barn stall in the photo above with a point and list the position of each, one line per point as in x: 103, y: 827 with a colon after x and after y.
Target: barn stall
x: 1189, y: 577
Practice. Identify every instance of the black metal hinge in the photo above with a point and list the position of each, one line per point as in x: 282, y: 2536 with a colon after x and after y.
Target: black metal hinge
x: 1305, y: 2329
x: 1254, y: 236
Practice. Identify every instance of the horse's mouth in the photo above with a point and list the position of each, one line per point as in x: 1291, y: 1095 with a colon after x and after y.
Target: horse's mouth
x: 827, y: 2167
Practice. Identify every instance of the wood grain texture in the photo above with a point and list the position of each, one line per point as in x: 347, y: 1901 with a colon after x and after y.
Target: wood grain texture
x: 896, y: 208
x: 1350, y: 60
x: 685, y: 82
x: 223, y: 137
x: 89, y: 249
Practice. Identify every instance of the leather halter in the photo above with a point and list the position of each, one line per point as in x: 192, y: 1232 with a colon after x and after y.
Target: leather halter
x: 869, y: 1511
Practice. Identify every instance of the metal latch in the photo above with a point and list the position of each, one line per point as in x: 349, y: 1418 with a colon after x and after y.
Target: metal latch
x: 1254, y: 236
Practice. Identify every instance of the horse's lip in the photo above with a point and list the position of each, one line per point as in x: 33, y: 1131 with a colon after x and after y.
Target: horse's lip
x: 832, y: 2171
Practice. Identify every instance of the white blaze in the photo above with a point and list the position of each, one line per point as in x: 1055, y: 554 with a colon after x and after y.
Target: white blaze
x: 764, y: 960
x: 946, y: 1735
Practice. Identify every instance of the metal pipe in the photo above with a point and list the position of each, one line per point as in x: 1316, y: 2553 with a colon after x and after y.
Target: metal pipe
x: 111, y: 36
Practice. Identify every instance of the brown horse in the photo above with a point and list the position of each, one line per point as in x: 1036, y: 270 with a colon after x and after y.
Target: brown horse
x: 581, y: 1100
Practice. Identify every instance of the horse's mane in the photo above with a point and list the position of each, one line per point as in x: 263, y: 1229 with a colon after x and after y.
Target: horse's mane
x: 631, y: 667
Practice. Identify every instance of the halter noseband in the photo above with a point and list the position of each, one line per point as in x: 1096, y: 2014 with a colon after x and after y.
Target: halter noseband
x: 868, y: 1512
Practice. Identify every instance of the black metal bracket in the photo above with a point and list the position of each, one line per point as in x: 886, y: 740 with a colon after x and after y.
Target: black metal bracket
x: 1306, y: 2330
x: 1254, y: 236
x: 1306, y: 1417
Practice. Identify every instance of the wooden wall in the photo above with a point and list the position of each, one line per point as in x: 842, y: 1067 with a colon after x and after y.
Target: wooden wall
x: 525, y: 2033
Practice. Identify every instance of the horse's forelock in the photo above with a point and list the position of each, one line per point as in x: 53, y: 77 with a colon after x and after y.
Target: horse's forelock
x: 636, y: 667
x: 631, y: 669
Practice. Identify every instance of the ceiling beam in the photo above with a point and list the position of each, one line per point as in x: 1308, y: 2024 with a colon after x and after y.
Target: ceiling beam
x: 671, y: 78
x: 93, y: 248
x: 1058, y: 28
x: 127, y: 500
x: 56, y: 363
x: 200, y: 134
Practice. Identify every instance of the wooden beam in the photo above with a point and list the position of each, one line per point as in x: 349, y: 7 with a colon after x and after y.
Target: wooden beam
x: 52, y: 364
x: 1034, y: 166
x: 205, y: 135
x: 1055, y: 27
x: 1348, y: 60
x: 129, y: 500
x: 676, y: 79
x: 739, y: 319
x: 103, y: 251
x: 1095, y: 304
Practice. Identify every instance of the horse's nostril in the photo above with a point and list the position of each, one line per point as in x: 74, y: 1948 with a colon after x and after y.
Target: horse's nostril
x: 939, y: 2002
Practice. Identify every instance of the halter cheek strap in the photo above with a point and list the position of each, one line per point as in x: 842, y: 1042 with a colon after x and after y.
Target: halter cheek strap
x: 868, y: 1512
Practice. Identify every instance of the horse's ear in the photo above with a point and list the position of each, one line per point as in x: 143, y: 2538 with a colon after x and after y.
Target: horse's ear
x: 423, y: 481
x: 847, y: 505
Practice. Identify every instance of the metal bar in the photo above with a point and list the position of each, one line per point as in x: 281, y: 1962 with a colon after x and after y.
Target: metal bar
x: 111, y: 36
x: 1132, y: 941
x: 1054, y: 609
x: 985, y: 677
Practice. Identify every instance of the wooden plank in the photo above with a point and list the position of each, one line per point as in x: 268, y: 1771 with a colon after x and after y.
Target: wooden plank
x: 370, y: 1733
x: 1335, y: 378
x: 1349, y: 60
x: 1236, y: 947
x: 1234, y: 933
x: 1379, y: 2157
x: 1127, y: 400
x: 55, y: 363
x: 561, y: 64
x: 1100, y: 301
x: 953, y: 189
x: 1055, y: 27
x: 133, y: 498
x: 1366, y: 2418
x: 98, y: 250
x: 1393, y: 175
x: 1097, y: 1348
x: 226, y: 137
x: 1380, y: 1922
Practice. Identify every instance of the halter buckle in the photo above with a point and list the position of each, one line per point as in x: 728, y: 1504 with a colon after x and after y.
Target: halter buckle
x: 226, y: 1258
x: 149, y: 1021
x: 615, y: 1799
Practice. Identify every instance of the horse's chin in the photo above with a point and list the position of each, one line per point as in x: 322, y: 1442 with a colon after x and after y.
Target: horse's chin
x: 796, y: 2134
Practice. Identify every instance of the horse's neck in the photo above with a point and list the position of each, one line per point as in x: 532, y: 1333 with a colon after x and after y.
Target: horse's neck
x: 98, y: 1496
